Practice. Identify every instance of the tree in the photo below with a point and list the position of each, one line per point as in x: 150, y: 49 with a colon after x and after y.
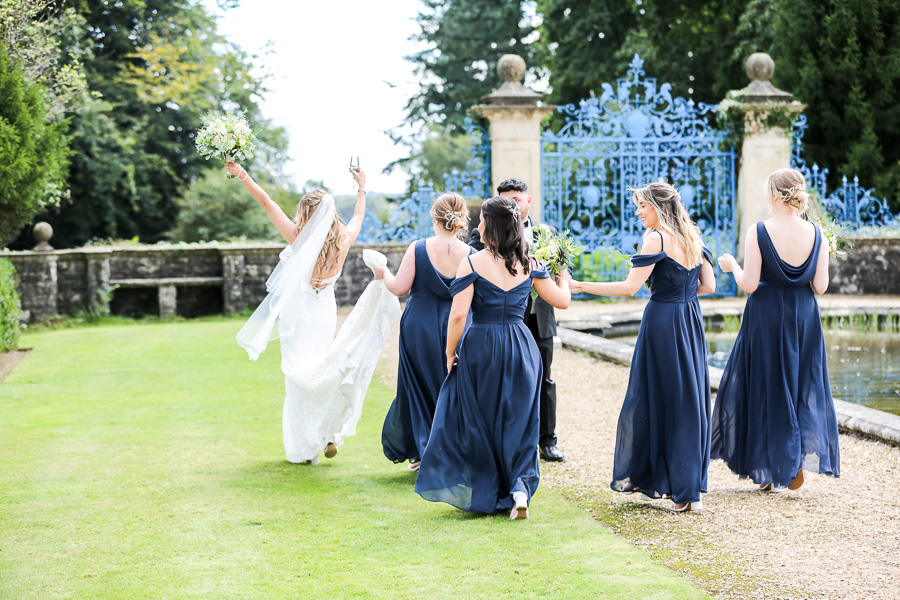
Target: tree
x: 464, y: 41
x: 33, y: 153
x: 848, y: 74
x: 157, y: 66
x: 697, y: 46
x: 216, y: 208
x: 438, y: 152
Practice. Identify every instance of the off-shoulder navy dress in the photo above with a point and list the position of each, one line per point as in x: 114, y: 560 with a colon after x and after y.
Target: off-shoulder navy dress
x: 483, y: 444
x: 774, y: 413
x: 662, y: 440
x: 423, y: 362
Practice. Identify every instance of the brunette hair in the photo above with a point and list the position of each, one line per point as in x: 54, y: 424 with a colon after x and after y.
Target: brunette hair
x: 503, y: 236
x: 512, y: 185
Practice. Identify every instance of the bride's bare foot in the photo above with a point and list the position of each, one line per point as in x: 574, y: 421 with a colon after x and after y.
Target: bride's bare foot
x: 331, y: 450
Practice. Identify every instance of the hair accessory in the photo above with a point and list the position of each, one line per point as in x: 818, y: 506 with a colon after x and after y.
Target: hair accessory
x: 451, y: 218
x: 515, y: 211
x: 787, y: 194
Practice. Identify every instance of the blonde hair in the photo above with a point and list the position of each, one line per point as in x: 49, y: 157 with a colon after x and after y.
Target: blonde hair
x: 451, y: 211
x: 672, y: 218
x: 789, y: 186
x: 331, y: 250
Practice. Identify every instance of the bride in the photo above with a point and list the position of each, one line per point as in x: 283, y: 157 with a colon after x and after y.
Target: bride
x: 326, y: 377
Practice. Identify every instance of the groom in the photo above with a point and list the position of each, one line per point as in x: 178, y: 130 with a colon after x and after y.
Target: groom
x: 540, y: 320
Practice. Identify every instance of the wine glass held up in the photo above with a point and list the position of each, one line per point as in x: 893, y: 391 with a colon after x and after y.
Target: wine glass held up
x: 354, y: 167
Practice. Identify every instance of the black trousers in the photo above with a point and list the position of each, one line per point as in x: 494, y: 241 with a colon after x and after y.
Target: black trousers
x: 548, y: 386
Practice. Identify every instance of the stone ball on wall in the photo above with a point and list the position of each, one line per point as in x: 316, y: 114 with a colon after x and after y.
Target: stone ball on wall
x: 42, y: 232
x: 511, y: 67
x: 760, y: 66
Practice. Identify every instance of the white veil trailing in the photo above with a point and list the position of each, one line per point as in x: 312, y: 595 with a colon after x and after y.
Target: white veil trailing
x: 288, y: 283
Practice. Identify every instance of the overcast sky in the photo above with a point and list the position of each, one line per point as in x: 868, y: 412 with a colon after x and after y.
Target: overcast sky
x: 330, y: 62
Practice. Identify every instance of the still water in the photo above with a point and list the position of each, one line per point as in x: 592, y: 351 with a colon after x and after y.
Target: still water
x: 863, y: 367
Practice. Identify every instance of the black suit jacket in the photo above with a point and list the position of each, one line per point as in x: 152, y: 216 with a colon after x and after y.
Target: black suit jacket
x: 544, y: 316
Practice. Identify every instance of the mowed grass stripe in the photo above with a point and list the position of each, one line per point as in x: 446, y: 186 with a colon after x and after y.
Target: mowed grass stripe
x: 143, y: 461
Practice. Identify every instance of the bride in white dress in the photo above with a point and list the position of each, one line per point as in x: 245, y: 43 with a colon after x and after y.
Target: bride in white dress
x: 326, y: 377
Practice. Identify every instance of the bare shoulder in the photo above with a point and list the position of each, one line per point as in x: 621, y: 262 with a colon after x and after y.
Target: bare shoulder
x: 652, y: 243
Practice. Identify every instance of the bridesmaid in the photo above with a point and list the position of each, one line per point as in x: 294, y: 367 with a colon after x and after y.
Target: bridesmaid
x: 662, y: 441
x: 426, y: 272
x: 774, y: 415
x: 483, y: 452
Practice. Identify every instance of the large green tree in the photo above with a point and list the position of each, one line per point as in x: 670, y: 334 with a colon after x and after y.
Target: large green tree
x: 847, y: 71
x: 156, y: 67
x: 699, y: 46
x: 32, y: 150
x: 463, y: 40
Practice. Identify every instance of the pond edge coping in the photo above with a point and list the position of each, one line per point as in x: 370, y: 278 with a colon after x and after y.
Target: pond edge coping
x: 877, y: 424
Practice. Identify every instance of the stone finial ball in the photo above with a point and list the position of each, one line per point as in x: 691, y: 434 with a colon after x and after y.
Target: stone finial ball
x: 42, y: 232
x: 511, y: 67
x: 760, y: 66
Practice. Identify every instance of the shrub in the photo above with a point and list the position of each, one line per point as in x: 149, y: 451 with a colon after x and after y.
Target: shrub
x: 10, y: 308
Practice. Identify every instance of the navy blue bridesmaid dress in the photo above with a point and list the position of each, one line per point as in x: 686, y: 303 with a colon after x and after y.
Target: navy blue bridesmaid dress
x: 662, y: 439
x: 483, y: 444
x: 423, y: 362
x: 774, y: 413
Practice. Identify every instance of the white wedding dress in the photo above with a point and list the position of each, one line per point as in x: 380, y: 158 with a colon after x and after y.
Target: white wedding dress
x: 325, y: 376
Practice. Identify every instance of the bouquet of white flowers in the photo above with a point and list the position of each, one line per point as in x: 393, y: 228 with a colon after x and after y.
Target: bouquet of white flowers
x: 555, y: 251
x: 227, y: 137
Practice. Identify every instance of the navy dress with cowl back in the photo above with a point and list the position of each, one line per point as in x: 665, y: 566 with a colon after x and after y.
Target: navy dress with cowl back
x: 423, y: 362
x: 774, y: 413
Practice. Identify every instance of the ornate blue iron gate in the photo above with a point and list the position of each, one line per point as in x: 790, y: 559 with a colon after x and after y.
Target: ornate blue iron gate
x: 411, y: 219
x: 632, y: 135
x: 851, y: 206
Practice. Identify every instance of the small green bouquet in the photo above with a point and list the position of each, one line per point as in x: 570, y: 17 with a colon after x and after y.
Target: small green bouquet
x: 227, y: 137
x: 556, y: 251
x: 838, y: 244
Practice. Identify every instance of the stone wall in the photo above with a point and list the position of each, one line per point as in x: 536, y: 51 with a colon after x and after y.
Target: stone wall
x: 871, y: 268
x: 185, y: 281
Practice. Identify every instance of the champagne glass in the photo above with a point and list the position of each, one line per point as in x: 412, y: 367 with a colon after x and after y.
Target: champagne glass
x: 352, y: 166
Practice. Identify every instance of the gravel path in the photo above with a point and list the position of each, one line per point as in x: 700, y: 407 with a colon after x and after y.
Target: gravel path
x: 832, y: 538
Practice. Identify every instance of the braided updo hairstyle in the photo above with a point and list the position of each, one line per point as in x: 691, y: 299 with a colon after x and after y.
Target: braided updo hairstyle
x: 503, y: 236
x: 789, y: 186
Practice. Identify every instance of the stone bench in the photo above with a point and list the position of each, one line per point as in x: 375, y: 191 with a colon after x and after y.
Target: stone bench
x: 167, y: 288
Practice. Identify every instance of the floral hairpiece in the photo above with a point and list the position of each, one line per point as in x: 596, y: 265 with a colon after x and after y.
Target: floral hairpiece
x: 451, y: 217
x: 515, y: 211
x: 787, y: 194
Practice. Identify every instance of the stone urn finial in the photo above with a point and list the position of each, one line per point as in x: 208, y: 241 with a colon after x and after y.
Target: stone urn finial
x: 760, y: 68
x: 42, y: 233
x: 511, y: 69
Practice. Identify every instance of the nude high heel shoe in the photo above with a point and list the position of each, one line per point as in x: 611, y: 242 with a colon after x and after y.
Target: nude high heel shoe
x: 331, y: 450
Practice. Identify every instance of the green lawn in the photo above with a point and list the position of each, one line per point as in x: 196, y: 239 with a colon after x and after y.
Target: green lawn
x: 145, y: 461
